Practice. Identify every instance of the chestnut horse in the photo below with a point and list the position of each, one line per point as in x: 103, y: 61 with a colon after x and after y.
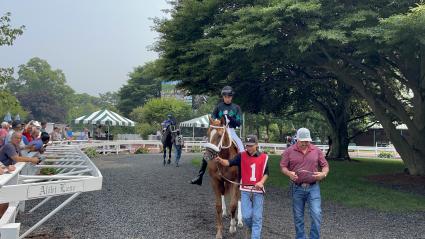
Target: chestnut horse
x: 220, y: 139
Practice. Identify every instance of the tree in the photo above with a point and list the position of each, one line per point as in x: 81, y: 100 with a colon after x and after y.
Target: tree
x: 143, y: 85
x: 38, y: 86
x: 155, y: 111
x: 8, y: 34
x: 241, y: 44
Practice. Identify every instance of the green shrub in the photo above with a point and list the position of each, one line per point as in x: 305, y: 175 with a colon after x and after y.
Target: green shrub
x: 196, y: 149
x: 142, y: 150
x: 48, y: 171
x: 269, y: 151
x: 91, y: 152
x: 385, y: 155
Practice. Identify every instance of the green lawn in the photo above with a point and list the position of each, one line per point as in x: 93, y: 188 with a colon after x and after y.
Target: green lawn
x: 346, y: 184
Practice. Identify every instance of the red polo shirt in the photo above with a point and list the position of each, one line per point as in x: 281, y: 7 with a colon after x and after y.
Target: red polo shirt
x: 303, y: 164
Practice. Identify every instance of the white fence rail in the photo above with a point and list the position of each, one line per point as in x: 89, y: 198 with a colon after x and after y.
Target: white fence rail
x: 75, y: 173
x: 118, y: 146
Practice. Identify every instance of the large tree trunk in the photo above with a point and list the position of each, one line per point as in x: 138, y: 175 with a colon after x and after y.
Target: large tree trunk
x: 339, y: 147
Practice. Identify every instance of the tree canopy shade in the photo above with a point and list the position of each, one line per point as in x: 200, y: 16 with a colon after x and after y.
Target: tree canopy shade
x: 272, y: 51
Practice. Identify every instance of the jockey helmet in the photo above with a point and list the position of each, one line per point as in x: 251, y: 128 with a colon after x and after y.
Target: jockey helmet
x: 227, y: 91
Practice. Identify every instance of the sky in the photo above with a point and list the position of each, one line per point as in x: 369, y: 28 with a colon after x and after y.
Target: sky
x: 96, y: 43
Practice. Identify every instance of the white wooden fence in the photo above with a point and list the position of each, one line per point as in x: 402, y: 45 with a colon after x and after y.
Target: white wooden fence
x: 119, y: 146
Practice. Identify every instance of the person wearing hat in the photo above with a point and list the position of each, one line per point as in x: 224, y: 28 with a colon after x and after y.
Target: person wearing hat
x: 179, y: 144
x: 306, y: 166
x: 168, y: 121
x: 254, y: 171
x: 233, y: 114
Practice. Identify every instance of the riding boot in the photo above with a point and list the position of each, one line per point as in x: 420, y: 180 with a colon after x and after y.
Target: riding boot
x: 198, y: 179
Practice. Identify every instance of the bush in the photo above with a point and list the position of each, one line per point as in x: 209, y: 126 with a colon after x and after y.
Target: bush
x: 48, y: 171
x: 91, y: 152
x: 385, y: 155
x: 142, y: 150
x: 269, y: 151
x: 196, y: 149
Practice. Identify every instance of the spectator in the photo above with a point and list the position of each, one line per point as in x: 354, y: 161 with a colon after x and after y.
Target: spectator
x: 39, y: 144
x: 16, y: 127
x: 84, y: 135
x: 26, y: 135
x: 56, y: 134
x: 68, y: 132
x: 4, y: 130
x: 43, y: 126
x: 10, y: 153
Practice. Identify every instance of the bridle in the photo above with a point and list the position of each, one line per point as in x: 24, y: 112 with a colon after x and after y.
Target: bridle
x: 212, y: 151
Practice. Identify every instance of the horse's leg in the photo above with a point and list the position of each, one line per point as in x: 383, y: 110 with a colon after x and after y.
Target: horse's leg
x: 218, y: 188
x: 169, y: 154
x: 223, y: 206
x: 233, y: 207
x: 238, y: 198
x: 165, y: 153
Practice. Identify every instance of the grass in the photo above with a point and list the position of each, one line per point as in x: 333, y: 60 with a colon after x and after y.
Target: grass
x: 346, y: 184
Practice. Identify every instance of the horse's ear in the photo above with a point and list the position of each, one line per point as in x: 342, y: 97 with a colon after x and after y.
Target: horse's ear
x: 223, y: 120
x: 211, y: 120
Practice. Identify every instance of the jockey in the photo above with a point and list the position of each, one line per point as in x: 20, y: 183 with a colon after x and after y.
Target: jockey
x: 233, y: 113
x: 168, y: 121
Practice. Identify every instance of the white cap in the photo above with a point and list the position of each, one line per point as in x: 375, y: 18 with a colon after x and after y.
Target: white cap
x: 36, y: 124
x: 303, y: 134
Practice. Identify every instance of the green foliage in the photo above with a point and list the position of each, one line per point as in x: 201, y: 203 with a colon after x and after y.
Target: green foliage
x: 53, y: 97
x: 10, y: 104
x: 48, y: 171
x: 143, y: 85
x: 145, y: 129
x: 385, y: 154
x: 91, y: 152
x: 142, y: 150
x: 8, y: 34
x: 155, y: 111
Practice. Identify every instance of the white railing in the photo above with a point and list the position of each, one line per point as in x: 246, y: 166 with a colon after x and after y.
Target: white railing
x: 198, y: 146
x: 75, y: 173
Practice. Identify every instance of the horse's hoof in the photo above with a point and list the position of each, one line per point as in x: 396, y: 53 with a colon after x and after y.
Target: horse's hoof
x: 218, y: 236
x: 224, y: 214
x: 169, y: 162
x: 232, y: 228
x: 240, y: 224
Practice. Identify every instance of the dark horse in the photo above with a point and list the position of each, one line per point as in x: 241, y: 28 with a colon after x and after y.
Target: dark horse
x: 167, y: 140
x: 219, y: 138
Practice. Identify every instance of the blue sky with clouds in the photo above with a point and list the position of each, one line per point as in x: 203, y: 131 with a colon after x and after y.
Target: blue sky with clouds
x: 96, y: 43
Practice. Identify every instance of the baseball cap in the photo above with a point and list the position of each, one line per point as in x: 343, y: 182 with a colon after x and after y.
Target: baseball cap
x: 251, y: 140
x: 303, y: 134
x: 36, y: 124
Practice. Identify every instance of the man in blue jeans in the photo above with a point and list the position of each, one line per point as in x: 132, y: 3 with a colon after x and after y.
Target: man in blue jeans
x: 254, y: 171
x: 302, y: 163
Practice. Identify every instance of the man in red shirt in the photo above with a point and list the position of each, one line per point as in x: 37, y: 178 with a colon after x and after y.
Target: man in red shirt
x: 254, y: 171
x: 302, y: 163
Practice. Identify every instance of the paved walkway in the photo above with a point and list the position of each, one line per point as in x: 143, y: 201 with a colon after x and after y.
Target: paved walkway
x: 142, y: 199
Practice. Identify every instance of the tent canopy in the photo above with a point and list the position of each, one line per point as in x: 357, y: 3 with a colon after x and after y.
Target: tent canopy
x: 200, y: 122
x: 105, y: 117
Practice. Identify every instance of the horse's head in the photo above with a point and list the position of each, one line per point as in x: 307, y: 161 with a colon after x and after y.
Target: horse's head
x: 217, y: 137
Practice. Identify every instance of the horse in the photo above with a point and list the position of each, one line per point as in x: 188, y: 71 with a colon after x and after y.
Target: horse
x: 222, y: 178
x: 167, y: 140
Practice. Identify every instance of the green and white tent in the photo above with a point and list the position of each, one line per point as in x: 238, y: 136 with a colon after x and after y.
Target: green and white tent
x: 105, y: 117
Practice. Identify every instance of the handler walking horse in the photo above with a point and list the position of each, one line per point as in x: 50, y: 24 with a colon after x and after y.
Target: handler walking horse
x: 220, y: 143
x: 167, y: 140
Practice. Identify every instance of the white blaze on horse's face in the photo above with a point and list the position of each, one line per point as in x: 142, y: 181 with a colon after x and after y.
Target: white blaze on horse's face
x: 213, y: 132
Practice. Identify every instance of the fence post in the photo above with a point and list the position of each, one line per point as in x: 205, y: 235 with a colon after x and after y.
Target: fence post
x: 10, y: 231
